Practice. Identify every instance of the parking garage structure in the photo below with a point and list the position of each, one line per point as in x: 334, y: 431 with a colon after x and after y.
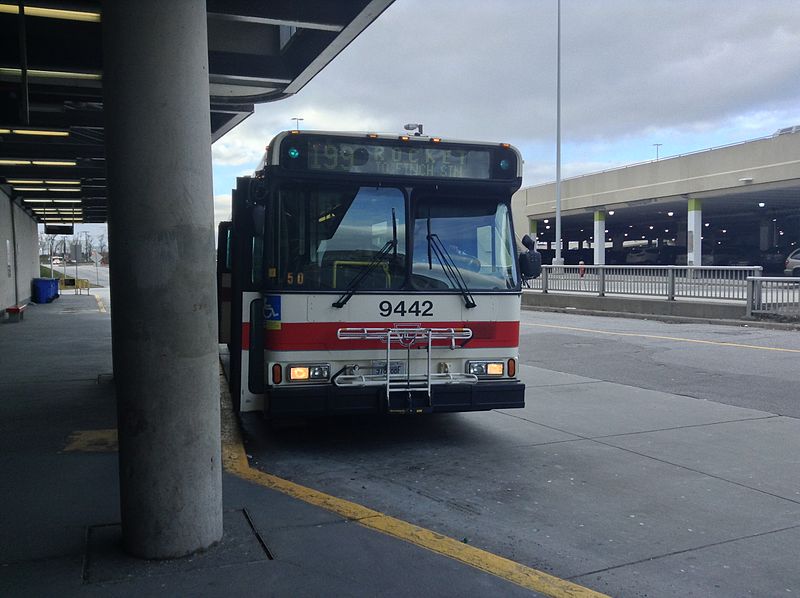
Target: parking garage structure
x: 733, y: 205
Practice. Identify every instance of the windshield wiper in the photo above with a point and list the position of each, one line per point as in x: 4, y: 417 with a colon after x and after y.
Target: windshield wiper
x: 449, y: 267
x: 390, y: 245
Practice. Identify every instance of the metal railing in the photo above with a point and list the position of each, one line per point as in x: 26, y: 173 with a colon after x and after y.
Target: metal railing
x: 729, y: 283
x: 775, y: 296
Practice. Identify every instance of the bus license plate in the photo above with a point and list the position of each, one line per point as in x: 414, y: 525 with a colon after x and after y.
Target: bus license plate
x: 396, y: 367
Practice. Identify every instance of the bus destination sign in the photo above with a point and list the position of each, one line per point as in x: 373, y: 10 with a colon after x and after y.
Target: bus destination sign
x: 385, y: 158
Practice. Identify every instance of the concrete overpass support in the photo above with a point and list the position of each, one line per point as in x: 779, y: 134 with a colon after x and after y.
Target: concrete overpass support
x: 533, y: 228
x: 158, y: 146
x: 694, y: 234
x: 765, y: 237
x: 599, y: 237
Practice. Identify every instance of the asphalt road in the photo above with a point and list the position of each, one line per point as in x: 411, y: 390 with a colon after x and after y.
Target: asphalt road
x: 634, y: 469
x: 743, y: 366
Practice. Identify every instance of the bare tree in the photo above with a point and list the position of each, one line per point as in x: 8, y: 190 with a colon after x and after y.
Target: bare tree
x: 88, y: 243
x: 43, y: 244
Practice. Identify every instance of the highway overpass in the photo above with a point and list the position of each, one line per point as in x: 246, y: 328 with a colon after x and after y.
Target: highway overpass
x: 720, y: 203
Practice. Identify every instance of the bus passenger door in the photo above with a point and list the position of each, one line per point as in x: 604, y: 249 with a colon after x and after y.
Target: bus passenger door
x: 224, y: 282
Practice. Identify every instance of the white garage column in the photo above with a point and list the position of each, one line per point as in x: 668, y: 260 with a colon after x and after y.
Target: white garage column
x: 694, y: 234
x: 161, y: 234
x: 599, y: 237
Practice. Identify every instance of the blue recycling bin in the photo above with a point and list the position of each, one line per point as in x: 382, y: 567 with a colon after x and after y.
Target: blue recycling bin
x: 44, y: 290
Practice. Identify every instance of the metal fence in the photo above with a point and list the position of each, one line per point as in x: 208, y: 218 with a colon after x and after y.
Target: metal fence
x: 670, y: 282
x: 773, y: 296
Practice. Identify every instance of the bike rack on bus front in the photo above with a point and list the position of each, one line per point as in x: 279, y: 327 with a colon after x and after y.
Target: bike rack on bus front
x: 406, y: 337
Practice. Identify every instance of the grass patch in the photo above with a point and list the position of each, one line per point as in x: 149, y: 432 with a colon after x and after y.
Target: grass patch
x: 46, y: 272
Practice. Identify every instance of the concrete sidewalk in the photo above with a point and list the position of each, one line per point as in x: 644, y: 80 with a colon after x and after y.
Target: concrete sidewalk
x: 60, y: 499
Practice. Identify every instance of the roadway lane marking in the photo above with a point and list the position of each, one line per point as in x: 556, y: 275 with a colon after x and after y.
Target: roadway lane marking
x: 665, y: 338
x: 100, y: 305
x: 234, y: 459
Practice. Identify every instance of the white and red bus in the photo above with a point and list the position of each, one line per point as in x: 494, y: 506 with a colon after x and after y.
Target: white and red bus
x: 365, y: 273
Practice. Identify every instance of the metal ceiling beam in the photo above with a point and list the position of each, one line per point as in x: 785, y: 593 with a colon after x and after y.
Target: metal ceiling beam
x: 303, y: 14
x: 52, y: 172
x: 230, y: 65
x: 36, y: 148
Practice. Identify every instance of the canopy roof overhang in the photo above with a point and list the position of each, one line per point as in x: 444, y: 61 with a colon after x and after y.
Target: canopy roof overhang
x: 52, y: 150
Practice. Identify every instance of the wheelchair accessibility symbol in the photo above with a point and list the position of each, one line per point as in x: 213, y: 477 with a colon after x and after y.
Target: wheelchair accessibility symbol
x: 272, y: 311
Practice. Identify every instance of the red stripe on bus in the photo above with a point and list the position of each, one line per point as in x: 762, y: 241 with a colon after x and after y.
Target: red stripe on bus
x: 321, y: 336
x: 245, y: 336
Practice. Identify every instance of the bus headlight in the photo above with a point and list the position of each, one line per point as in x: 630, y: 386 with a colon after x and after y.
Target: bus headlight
x: 309, y: 372
x: 486, y: 368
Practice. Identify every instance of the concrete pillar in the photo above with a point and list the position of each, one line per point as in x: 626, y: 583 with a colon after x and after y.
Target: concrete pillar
x: 694, y: 233
x: 765, y: 236
x: 532, y: 227
x: 680, y: 235
x: 161, y: 237
x: 599, y: 237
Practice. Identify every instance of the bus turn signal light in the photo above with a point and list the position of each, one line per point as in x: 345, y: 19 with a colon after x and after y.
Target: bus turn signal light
x: 276, y: 374
x: 308, y: 372
x: 512, y: 368
x: 485, y: 368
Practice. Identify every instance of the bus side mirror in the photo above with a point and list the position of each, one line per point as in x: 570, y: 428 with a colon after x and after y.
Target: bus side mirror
x: 529, y: 243
x: 530, y: 264
x: 259, y: 214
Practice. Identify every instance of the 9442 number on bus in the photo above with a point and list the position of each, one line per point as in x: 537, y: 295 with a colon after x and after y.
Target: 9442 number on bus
x: 420, y: 309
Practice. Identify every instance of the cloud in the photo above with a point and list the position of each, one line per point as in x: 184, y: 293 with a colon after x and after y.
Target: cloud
x: 686, y: 74
x: 222, y: 208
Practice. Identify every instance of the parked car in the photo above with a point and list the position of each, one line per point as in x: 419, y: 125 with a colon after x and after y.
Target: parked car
x: 792, y: 265
x: 642, y: 255
x: 56, y: 261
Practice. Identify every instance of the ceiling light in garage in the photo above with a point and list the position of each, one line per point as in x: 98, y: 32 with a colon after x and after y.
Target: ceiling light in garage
x: 761, y: 204
x: 670, y: 214
x: 55, y: 163
x: 40, y: 74
x: 52, y: 13
x: 41, y: 132
x: 611, y: 212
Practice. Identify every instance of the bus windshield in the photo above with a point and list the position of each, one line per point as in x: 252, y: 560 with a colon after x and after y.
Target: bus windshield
x: 323, y: 236
x: 477, y: 236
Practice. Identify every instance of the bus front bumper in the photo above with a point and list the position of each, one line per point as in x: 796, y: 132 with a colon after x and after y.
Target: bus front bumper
x: 329, y: 399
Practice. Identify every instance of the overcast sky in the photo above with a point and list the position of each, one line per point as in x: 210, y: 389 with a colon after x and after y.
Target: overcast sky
x: 688, y: 74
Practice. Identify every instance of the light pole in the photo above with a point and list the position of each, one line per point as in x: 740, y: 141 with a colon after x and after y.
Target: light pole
x: 558, y: 260
x: 657, y: 145
x: 297, y: 120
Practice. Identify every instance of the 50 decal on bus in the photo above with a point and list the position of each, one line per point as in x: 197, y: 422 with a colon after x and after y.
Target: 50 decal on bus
x: 420, y: 309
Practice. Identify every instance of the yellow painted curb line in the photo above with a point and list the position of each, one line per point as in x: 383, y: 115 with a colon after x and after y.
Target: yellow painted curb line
x: 234, y: 459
